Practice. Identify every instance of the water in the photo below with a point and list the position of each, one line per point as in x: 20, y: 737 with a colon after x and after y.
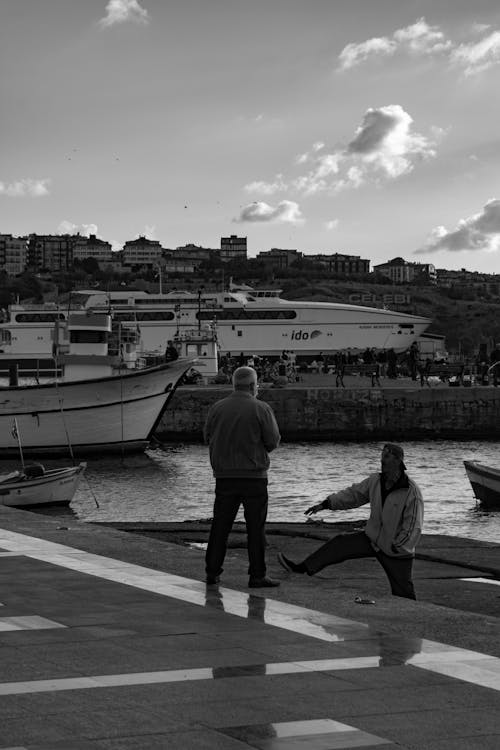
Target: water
x: 175, y: 483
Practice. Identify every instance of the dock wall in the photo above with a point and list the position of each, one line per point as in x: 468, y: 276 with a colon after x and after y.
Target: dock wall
x: 328, y: 413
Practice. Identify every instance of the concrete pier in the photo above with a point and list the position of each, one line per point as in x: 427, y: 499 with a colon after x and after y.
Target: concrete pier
x: 317, y: 410
x: 110, y: 640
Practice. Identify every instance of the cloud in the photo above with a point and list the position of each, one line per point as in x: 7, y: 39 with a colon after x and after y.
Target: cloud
x: 417, y: 39
x: 285, y: 212
x: 121, y: 11
x: 67, y: 227
x: 355, y: 54
x: 385, y: 139
x: 26, y: 187
x: 332, y: 224
x: 421, y: 39
x: 480, y: 231
x: 266, y: 188
x: 384, y: 146
x: 477, y: 57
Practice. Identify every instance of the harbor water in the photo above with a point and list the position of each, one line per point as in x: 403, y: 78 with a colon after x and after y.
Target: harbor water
x: 175, y: 483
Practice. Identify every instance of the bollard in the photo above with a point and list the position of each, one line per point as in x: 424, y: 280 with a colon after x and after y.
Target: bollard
x: 14, y: 374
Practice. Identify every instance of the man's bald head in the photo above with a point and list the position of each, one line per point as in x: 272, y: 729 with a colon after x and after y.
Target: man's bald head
x: 245, y: 379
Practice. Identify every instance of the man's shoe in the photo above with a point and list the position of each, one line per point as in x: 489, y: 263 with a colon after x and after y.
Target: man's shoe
x: 262, y: 583
x: 212, y: 580
x: 289, y: 565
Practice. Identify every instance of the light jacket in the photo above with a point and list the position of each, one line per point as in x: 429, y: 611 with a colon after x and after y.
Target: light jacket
x: 241, y: 431
x: 394, y: 528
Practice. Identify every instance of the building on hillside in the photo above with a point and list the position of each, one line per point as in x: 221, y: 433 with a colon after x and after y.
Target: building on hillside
x: 486, y: 282
x: 400, y: 271
x: 93, y: 247
x: 13, y: 254
x: 194, y: 254
x: 279, y: 258
x: 53, y: 252
x: 348, y: 265
x: 233, y: 248
x: 142, y: 252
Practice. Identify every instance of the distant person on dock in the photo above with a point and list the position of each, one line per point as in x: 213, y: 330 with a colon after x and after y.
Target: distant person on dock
x: 392, y: 530
x: 171, y: 352
x: 241, y: 431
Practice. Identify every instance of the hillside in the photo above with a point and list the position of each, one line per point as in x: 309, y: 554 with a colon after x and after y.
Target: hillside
x: 466, y: 323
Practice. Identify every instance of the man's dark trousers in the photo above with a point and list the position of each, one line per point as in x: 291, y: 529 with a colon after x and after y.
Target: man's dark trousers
x: 229, y: 495
x: 353, y: 545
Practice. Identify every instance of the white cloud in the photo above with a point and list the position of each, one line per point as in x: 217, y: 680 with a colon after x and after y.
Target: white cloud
x: 306, y: 156
x: 384, y: 146
x: 480, y: 231
x: 121, y: 11
x: 355, y: 54
x: 266, y: 188
x: 332, y: 224
x: 421, y: 39
x: 68, y: 227
x: 285, y: 212
x: 476, y: 57
x: 416, y: 39
x: 385, y: 140
x: 26, y: 187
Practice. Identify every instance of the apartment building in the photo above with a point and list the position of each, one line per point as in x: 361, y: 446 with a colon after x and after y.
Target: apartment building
x: 348, y: 265
x: 142, y: 252
x: 279, y: 258
x: 13, y: 254
x: 53, y: 252
x: 400, y: 271
x: 93, y: 247
x: 233, y: 248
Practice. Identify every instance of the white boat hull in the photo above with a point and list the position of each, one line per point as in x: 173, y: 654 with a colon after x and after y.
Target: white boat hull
x: 485, y: 481
x: 245, y: 323
x: 55, y: 487
x: 112, y: 414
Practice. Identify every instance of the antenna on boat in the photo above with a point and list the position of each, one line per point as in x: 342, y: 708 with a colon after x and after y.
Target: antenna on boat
x: 17, y: 436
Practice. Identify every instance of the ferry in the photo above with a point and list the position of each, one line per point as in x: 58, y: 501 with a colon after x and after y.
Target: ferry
x: 252, y: 321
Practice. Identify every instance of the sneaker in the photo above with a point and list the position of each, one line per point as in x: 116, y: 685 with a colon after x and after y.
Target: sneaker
x: 262, y: 583
x: 212, y: 580
x: 289, y: 564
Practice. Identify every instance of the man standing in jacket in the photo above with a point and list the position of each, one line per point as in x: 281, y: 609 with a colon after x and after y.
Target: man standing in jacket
x: 392, y: 530
x: 241, y: 432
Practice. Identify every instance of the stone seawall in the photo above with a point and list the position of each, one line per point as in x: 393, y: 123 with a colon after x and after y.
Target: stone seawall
x: 326, y: 413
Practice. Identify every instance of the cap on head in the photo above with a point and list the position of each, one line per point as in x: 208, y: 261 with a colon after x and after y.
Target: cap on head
x: 396, y: 451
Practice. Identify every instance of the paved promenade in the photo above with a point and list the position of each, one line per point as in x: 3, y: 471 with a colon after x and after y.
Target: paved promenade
x: 111, y: 640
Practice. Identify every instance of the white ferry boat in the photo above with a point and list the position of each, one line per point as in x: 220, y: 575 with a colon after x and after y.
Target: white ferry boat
x: 247, y: 320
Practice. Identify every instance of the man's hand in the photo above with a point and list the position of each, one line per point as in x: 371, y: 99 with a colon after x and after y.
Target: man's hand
x: 314, y: 509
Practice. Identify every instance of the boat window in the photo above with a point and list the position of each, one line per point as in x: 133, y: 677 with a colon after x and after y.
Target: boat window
x: 155, y: 315
x: 130, y: 316
x: 5, y: 336
x: 88, y: 337
x: 38, y: 317
x: 243, y: 314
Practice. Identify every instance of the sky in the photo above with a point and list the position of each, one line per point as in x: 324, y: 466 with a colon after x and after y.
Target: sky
x: 367, y: 127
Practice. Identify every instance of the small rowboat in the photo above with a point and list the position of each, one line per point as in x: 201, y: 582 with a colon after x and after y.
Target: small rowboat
x: 37, y: 486
x: 485, y: 481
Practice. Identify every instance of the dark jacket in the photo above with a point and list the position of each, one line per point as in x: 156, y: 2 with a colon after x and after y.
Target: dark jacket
x: 241, y: 431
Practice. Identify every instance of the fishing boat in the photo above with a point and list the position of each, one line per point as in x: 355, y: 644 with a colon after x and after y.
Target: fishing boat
x: 485, y: 482
x: 37, y: 486
x: 252, y: 321
x: 97, y: 402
